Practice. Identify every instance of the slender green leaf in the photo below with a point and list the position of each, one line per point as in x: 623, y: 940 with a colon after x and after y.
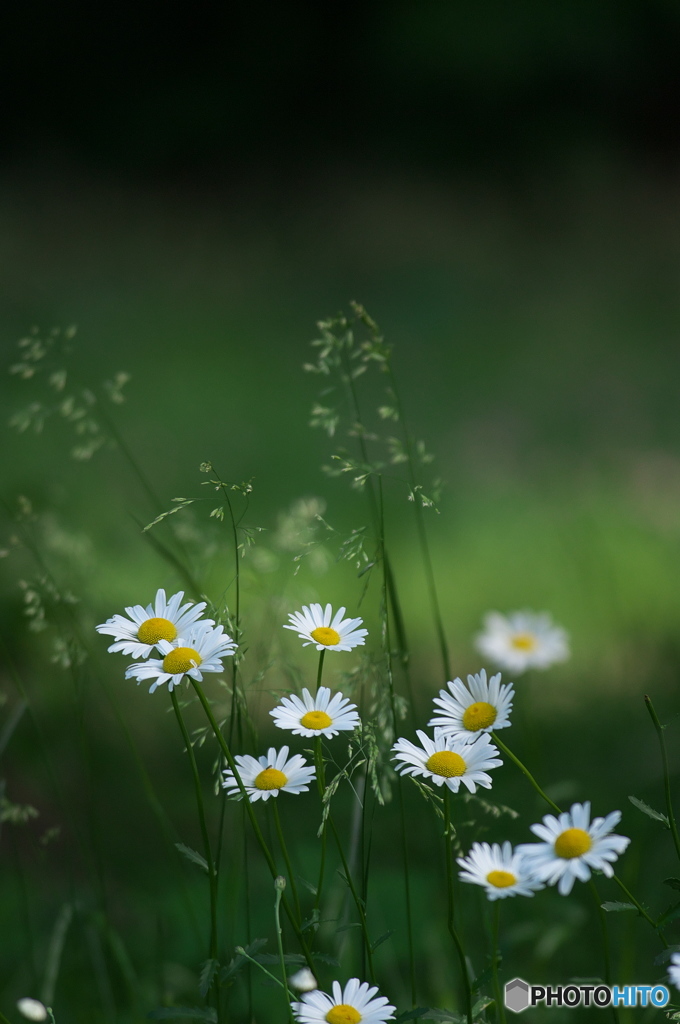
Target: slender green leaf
x: 649, y: 811
x: 664, y: 956
x: 383, y: 938
x: 193, y: 856
x: 208, y: 972
x: 323, y: 958
x: 669, y: 914
x: 616, y: 905
x: 482, y: 1004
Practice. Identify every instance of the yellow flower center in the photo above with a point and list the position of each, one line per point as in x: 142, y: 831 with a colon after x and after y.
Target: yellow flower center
x: 271, y: 778
x: 523, y: 641
x: 446, y: 763
x: 343, y: 1014
x: 572, y: 843
x: 479, y: 716
x: 181, y: 660
x: 153, y: 630
x: 316, y: 720
x: 326, y: 636
x: 501, y: 879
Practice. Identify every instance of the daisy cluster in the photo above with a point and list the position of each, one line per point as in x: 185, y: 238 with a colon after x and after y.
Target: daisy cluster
x: 324, y: 714
x: 187, y: 643
x: 461, y: 752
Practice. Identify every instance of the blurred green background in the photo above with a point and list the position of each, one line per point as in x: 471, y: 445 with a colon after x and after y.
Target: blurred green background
x: 194, y: 188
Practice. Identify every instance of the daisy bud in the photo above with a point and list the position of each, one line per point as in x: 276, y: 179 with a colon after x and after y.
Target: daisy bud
x: 32, y: 1009
x: 303, y: 980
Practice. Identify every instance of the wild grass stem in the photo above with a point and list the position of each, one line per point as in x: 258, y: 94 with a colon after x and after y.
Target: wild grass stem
x: 280, y: 885
x: 387, y: 646
x: 450, y: 903
x: 286, y: 859
x: 212, y: 876
x: 251, y: 814
x: 666, y: 774
x: 496, y: 956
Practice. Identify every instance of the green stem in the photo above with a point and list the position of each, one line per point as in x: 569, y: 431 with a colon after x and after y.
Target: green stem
x: 357, y: 900
x: 640, y: 909
x: 235, y: 708
x: 321, y: 784
x: 373, y: 505
x: 212, y: 876
x: 280, y: 885
x: 240, y: 951
x: 450, y: 905
x: 251, y: 814
x: 500, y: 1008
x: 666, y: 774
x: 605, y: 942
x: 525, y: 771
x: 390, y: 683
x: 320, y: 669
x: 422, y: 532
x: 286, y: 858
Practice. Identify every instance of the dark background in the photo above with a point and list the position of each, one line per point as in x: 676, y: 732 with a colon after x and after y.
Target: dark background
x: 220, y: 91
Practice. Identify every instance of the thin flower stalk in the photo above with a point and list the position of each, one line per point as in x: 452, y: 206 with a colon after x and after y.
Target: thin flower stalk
x: 357, y: 901
x: 321, y: 785
x: 251, y: 814
x: 421, y: 530
x: 496, y: 956
x: 280, y: 885
x: 450, y: 900
x: 377, y: 515
x: 163, y: 550
x: 605, y: 942
x: 402, y: 811
x: 286, y: 859
x: 320, y: 776
x: 666, y: 774
x: 525, y: 771
x: 212, y: 875
x: 319, y: 672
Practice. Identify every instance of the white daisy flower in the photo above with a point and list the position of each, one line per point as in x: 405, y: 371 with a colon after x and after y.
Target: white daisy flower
x: 353, y: 1005
x: 479, y: 707
x: 146, y: 627
x: 317, y: 625
x: 674, y: 969
x: 572, y: 845
x: 448, y: 761
x: 267, y: 775
x: 501, y: 872
x: 522, y: 640
x: 200, y: 650
x: 316, y: 716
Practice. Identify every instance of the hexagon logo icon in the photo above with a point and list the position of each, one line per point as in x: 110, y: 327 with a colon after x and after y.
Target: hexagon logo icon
x: 517, y: 995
